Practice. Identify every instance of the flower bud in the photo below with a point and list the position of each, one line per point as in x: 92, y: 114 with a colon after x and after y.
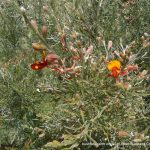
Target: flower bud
x: 38, y: 46
x: 23, y: 10
x: 44, y: 31
x: 98, y: 39
x: 45, y: 8
x: 109, y: 45
x: 78, y: 43
x: 63, y: 39
x: 127, y: 52
x: 144, y: 72
x: 51, y: 58
x: 89, y: 49
x: 126, y: 57
x: 146, y: 44
x: 142, y: 38
x: 132, y: 67
x: 34, y: 24
x: 145, y: 34
x: 73, y: 35
x: 122, y: 55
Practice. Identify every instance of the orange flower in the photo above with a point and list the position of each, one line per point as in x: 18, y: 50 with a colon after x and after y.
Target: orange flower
x: 114, y: 66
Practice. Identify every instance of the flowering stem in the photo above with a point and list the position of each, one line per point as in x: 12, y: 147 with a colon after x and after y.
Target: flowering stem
x: 36, y: 31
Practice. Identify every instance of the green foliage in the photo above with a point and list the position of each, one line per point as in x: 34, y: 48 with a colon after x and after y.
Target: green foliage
x: 12, y: 30
x: 41, y: 110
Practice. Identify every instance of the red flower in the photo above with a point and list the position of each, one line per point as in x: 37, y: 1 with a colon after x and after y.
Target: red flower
x: 39, y: 65
x: 115, y: 72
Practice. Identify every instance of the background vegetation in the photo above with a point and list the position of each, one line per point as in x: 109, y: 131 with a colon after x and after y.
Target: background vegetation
x: 40, y: 110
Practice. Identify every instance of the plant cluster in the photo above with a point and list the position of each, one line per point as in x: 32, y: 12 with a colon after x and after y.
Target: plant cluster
x: 83, y: 83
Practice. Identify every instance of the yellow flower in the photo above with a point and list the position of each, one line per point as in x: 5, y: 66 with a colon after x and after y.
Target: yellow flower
x: 112, y: 64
